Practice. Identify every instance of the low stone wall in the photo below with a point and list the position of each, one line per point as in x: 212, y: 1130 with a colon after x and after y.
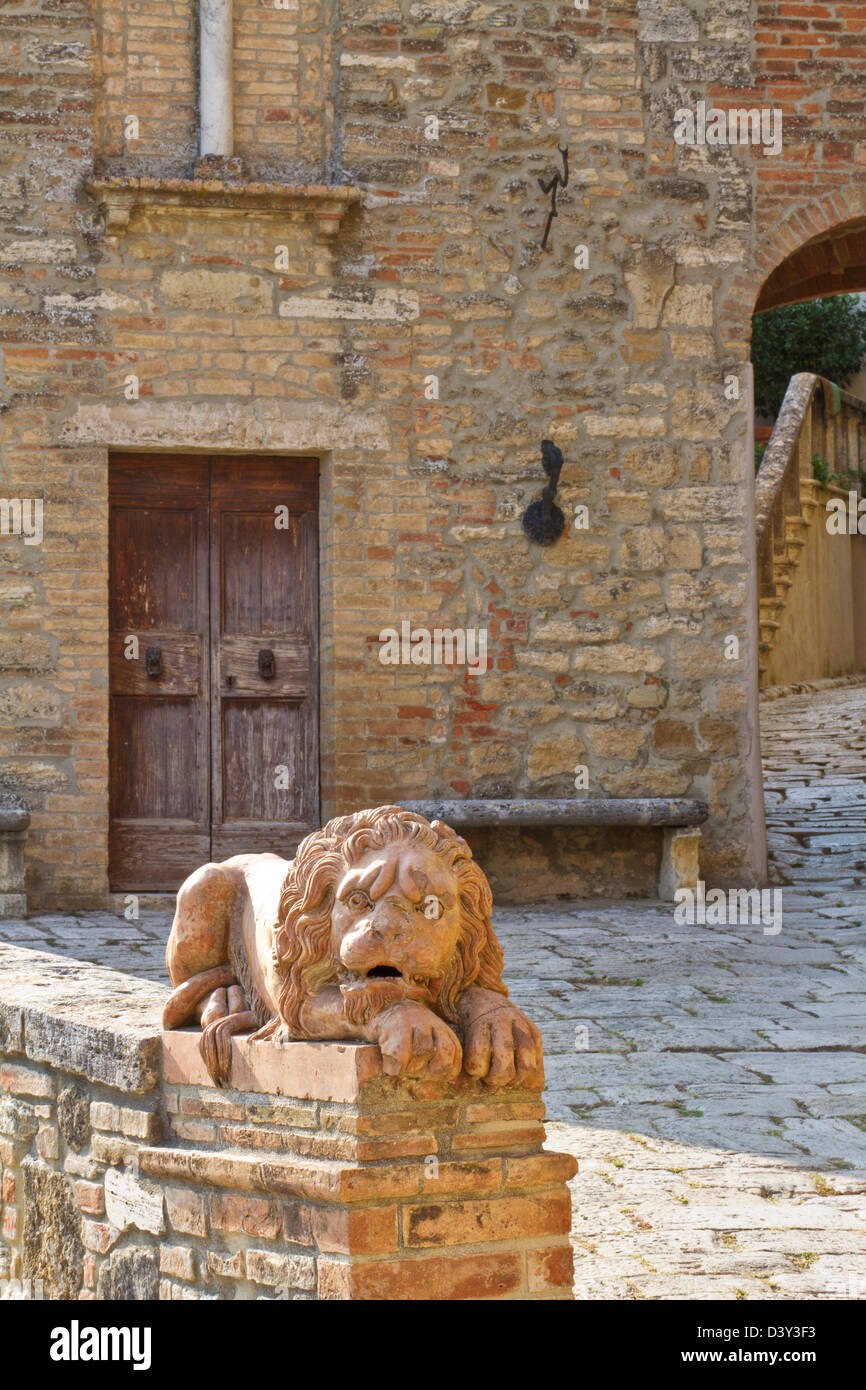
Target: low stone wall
x: 127, y: 1175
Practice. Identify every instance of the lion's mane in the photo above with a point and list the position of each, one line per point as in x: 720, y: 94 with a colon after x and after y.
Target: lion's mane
x: 302, y: 933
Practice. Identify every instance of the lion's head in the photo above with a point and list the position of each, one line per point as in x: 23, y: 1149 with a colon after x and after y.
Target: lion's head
x: 388, y: 906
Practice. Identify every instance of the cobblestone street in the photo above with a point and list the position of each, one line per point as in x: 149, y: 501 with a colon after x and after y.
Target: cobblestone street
x: 711, y: 1080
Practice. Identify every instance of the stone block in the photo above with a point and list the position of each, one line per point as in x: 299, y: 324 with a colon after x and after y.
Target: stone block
x: 649, y: 278
x: 133, y: 1201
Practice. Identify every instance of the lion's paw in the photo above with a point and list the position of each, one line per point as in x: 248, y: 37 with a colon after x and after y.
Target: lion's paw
x: 416, y: 1042
x: 503, y: 1047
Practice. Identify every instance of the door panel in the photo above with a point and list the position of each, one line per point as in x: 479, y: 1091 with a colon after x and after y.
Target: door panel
x: 159, y: 785
x: 142, y: 791
x: 214, y: 743
x: 266, y: 735
x: 264, y: 643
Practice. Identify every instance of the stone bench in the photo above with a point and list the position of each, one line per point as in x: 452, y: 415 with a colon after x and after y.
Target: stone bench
x: 678, y: 817
x: 14, y: 823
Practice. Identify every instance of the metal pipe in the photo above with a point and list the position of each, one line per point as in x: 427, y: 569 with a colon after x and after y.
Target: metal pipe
x: 215, y: 77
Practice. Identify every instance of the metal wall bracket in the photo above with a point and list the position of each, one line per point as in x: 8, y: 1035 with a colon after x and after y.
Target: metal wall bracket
x: 543, y: 521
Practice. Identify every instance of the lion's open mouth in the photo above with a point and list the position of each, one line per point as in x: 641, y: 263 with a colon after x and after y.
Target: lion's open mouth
x: 365, y: 995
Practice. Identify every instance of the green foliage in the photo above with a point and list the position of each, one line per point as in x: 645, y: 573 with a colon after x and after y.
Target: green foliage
x: 846, y: 481
x: 760, y: 450
x: 826, y: 336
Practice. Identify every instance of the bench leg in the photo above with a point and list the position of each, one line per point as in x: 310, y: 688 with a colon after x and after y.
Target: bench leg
x: 679, y: 866
x: 13, y: 902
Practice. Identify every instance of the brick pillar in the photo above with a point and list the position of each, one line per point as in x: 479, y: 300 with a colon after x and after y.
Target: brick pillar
x: 318, y: 1177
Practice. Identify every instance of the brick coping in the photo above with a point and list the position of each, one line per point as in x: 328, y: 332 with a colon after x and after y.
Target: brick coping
x: 304, y: 1070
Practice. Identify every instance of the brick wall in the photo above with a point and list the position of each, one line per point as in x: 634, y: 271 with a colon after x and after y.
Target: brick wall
x: 52, y: 596
x: 606, y: 649
x: 147, y: 67
x: 318, y: 1178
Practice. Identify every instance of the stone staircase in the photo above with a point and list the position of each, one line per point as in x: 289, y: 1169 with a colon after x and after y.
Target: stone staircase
x: 777, y: 576
x: 816, y: 420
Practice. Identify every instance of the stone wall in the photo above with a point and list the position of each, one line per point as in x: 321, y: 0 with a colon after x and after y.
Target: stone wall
x: 608, y: 649
x: 125, y: 1174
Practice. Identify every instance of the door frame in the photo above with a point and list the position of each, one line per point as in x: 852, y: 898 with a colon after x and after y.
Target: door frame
x: 167, y: 449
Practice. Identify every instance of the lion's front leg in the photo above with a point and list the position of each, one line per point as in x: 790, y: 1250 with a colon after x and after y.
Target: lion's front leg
x: 501, y: 1045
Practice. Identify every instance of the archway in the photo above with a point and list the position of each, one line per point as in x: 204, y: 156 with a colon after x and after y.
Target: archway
x: 814, y: 249
x: 811, y: 575
x: 833, y: 262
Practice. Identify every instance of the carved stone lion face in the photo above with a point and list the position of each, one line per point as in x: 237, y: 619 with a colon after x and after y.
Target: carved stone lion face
x: 388, y: 906
x: 395, y: 925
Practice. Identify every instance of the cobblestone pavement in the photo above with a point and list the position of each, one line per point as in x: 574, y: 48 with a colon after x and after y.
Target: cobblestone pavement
x: 814, y: 749
x: 711, y: 1080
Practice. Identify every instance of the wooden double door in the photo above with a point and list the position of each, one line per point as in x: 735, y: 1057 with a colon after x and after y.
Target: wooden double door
x: 213, y: 603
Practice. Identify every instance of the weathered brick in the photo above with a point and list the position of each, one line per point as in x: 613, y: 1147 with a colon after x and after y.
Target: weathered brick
x: 251, y: 1215
x: 284, y: 1271
x: 550, y: 1269
x: 437, y: 1277
x: 468, y: 1222
x: 186, y: 1211
x: 297, y: 1224
x: 178, y: 1261
x: 26, y: 1081
x: 226, y: 1266
x: 98, y: 1236
x: 357, y: 1230
x: 90, y: 1198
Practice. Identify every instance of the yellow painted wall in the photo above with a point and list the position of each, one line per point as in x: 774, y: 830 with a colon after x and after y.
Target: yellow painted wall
x: 823, y: 630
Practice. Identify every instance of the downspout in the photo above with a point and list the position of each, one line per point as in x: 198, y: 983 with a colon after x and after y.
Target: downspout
x: 216, y: 129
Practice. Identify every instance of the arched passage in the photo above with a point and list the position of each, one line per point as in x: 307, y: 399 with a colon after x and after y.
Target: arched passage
x: 815, y: 249
x: 811, y: 573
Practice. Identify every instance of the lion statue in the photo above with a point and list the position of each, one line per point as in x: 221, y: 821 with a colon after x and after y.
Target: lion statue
x: 377, y: 931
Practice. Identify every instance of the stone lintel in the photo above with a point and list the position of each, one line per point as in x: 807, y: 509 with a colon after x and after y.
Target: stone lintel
x: 265, y: 426
x: 120, y: 195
